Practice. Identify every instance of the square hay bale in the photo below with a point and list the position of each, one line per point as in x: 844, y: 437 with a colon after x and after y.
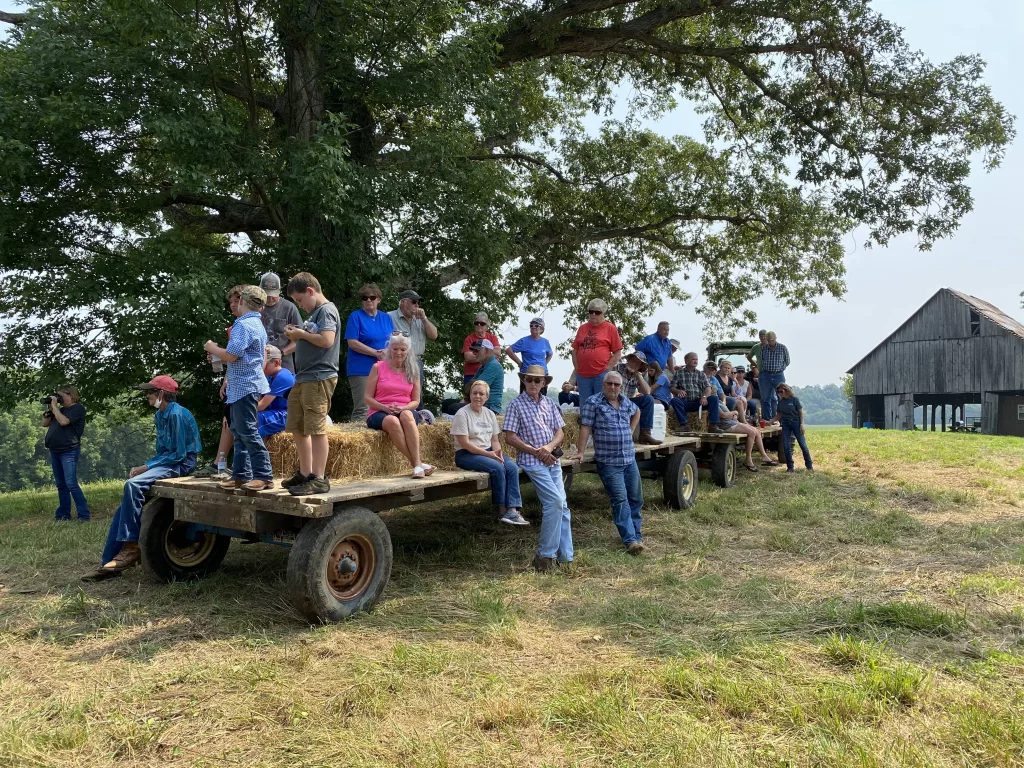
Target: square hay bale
x: 356, y: 452
x: 693, y: 422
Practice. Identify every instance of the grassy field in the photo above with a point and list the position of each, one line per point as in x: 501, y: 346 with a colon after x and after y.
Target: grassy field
x: 870, y: 614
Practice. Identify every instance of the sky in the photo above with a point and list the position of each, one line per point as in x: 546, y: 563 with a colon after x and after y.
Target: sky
x: 885, y: 285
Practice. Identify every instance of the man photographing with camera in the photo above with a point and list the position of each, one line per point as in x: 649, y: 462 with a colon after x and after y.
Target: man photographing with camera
x: 64, y: 419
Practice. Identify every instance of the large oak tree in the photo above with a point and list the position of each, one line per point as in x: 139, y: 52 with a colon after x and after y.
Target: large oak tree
x: 153, y: 152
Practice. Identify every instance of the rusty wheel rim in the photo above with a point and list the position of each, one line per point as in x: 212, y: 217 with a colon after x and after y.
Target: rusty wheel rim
x: 350, y: 567
x: 183, y: 552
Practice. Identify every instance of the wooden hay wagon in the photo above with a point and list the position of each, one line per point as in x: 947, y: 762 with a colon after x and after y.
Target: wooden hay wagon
x: 341, y: 553
x: 716, y: 452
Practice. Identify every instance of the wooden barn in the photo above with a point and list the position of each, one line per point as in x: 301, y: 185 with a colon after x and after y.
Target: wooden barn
x: 954, y: 350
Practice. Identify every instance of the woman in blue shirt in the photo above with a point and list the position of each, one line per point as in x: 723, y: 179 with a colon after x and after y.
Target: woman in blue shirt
x: 367, y: 334
x: 661, y: 384
x: 535, y: 350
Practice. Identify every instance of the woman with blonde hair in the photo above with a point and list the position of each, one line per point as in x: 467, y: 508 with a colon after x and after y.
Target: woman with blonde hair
x: 790, y: 414
x: 475, y: 433
x: 392, y: 394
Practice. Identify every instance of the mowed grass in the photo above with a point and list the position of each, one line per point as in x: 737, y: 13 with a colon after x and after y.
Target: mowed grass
x: 870, y: 614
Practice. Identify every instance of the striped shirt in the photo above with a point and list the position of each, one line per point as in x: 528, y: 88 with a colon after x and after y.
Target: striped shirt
x: 247, y: 342
x: 774, y: 360
x: 534, y: 423
x: 694, y: 382
x: 613, y: 438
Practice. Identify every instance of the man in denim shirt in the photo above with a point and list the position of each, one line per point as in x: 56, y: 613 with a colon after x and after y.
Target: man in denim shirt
x: 611, y: 417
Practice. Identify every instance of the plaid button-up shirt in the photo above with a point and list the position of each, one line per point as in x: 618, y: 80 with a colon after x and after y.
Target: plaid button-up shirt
x: 774, y: 360
x: 245, y: 375
x: 629, y: 385
x: 694, y: 382
x: 613, y: 439
x: 534, y: 423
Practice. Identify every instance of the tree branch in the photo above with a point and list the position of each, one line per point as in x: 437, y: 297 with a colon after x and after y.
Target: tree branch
x: 245, y: 95
x: 14, y: 18
x: 521, y: 157
x: 232, y: 215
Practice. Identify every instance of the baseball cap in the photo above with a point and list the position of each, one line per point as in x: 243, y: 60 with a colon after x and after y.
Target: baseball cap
x: 273, y: 353
x: 537, y: 321
x: 411, y: 295
x: 710, y: 364
x: 270, y: 283
x: 739, y: 369
x: 482, y: 343
x: 253, y: 294
x: 638, y: 355
x: 166, y: 383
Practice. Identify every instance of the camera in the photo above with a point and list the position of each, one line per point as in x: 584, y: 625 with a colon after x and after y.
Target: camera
x: 46, y: 400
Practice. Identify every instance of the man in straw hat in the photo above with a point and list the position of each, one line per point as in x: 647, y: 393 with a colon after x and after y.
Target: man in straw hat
x: 247, y: 384
x: 177, y: 446
x: 534, y: 428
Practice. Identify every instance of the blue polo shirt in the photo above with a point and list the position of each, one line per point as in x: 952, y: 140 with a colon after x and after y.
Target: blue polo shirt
x: 613, y: 439
x: 656, y: 348
x: 533, y: 352
x: 374, y: 332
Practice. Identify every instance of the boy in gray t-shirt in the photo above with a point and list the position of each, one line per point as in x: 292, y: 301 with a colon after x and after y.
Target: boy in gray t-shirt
x: 317, y: 352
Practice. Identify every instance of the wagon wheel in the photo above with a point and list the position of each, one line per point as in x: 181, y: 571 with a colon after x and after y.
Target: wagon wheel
x: 340, y: 565
x: 173, y: 550
x: 680, y: 481
x: 723, y: 465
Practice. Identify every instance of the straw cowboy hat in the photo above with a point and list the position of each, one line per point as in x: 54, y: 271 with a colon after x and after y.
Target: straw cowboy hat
x: 535, y: 370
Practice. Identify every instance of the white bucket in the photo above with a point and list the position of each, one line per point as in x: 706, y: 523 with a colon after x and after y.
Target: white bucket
x: 660, y: 428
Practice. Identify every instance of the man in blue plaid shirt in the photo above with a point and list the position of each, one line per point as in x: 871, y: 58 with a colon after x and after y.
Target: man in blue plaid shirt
x: 612, y: 417
x: 246, y: 385
x: 774, y: 362
x: 693, y: 390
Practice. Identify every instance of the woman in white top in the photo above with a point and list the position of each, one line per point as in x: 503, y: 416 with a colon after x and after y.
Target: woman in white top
x: 475, y: 433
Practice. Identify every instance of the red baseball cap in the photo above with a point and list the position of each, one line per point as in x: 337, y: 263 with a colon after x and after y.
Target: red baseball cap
x: 166, y: 383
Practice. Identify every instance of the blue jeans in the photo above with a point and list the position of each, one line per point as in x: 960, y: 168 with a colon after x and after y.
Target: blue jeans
x: 589, y: 386
x: 572, y: 398
x: 767, y: 382
x: 556, y: 525
x: 753, y: 407
x: 646, y: 405
x: 622, y: 483
x: 125, y: 525
x: 252, y: 460
x: 65, y: 476
x: 504, y: 477
x: 791, y: 429
x: 683, y: 407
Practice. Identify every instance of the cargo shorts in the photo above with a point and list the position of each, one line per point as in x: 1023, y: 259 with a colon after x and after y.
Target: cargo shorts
x: 308, y: 404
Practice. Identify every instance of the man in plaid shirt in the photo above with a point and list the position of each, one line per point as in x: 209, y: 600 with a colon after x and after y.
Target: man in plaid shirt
x: 635, y: 387
x: 774, y: 362
x: 533, y: 427
x: 693, y: 390
x: 612, y: 417
x: 246, y: 385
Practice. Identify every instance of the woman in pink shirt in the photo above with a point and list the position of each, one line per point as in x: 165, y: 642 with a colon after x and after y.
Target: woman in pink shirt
x: 392, y: 394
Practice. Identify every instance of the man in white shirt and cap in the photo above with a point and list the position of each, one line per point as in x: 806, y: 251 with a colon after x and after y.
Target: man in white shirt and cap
x: 411, y: 319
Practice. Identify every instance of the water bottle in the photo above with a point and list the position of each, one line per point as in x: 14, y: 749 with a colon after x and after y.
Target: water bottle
x: 217, y: 363
x: 222, y: 462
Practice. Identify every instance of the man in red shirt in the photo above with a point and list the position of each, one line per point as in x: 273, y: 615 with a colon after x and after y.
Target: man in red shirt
x: 473, y: 357
x: 596, y: 350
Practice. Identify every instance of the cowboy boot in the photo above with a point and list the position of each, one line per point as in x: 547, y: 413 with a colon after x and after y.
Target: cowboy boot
x: 647, y: 439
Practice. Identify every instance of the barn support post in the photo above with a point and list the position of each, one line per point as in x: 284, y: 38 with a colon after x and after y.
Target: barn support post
x: 943, y: 417
x: 933, y: 417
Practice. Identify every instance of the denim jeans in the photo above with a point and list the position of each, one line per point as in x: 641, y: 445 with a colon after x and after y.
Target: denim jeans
x: 791, y: 429
x: 589, y: 386
x: 125, y: 525
x: 556, y: 525
x: 65, y: 476
x: 504, y: 477
x: 570, y: 398
x: 622, y: 483
x: 252, y: 460
x: 767, y: 382
x: 683, y: 407
x: 646, y: 405
x: 753, y: 407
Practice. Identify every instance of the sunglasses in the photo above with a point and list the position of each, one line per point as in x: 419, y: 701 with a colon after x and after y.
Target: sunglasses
x: 594, y: 312
x: 479, y: 322
x: 536, y: 325
x: 414, y: 302
x: 534, y: 379
x: 370, y: 298
x: 400, y: 333
x: 612, y: 384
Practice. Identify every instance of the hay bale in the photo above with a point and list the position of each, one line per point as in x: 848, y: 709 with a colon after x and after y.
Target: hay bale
x: 693, y: 422
x: 356, y: 452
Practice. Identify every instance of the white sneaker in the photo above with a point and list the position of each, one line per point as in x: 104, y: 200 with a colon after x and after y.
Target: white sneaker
x: 513, y: 517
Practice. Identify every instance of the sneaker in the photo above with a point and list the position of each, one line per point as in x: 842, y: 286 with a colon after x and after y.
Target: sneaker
x: 514, y: 517
x: 544, y: 564
x: 311, y: 487
x: 635, y: 548
x: 259, y: 485
x: 297, y: 479
x: 209, y: 471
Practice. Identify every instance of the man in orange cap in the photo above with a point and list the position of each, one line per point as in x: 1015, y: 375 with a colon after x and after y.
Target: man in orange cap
x: 177, y: 446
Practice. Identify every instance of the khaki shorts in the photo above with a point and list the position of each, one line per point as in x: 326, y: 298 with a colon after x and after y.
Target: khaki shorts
x: 308, y: 404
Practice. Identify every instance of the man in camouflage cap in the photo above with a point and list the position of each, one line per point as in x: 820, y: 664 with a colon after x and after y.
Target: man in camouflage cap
x: 246, y: 385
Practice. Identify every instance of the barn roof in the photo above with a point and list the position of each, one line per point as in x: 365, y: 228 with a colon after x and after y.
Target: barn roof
x: 983, y: 308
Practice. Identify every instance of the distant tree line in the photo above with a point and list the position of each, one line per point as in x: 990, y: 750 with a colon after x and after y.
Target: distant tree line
x: 113, y: 442
x: 824, y: 404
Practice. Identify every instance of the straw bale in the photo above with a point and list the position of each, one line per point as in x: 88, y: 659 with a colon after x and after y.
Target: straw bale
x: 357, y: 452
x: 693, y: 422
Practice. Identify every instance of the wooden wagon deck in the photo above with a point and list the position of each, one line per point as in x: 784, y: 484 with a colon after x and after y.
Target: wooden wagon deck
x: 734, y: 438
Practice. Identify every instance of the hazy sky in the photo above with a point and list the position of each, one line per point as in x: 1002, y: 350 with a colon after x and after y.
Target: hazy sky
x: 885, y: 286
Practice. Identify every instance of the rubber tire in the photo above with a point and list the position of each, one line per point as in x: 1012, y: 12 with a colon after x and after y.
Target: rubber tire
x: 680, y: 465
x: 157, y: 518
x: 307, y: 564
x: 723, y: 465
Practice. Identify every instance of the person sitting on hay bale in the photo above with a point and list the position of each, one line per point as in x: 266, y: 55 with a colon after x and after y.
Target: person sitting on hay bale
x: 570, y: 394
x: 660, y: 384
x: 534, y: 428
x: 272, y: 408
x: 392, y: 394
x: 490, y: 371
x: 475, y: 432
x: 693, y: 390
x: 177, y: 446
